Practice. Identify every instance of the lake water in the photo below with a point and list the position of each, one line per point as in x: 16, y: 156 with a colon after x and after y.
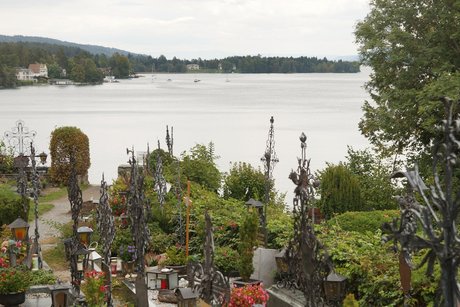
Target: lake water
x: 231, y: 110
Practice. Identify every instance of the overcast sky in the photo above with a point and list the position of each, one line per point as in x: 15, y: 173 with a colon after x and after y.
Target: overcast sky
x: 193, y: 28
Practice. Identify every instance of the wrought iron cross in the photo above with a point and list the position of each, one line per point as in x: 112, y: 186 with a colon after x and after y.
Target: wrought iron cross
x: 160, y: 182
x: 19, y: 136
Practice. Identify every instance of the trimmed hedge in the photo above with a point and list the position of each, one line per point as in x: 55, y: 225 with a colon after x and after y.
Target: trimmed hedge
x: 10, y: 205
x: 363, y: 221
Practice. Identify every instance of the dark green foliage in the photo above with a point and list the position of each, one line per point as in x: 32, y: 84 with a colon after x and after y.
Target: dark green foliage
x: 363, y: 221
x: 120, y: 66
x: 84, y: 70
x: 11, y: 205
x: 244, y: 182
x: 66, y: 141
x: 412, y: 48
x: 226, y: 259
x: 6, y: 159
x: 175, y: 256
x: 248, y: 239
x: 199, y: 166
x: 372, y: 268
x: 42, y: 277
x: 373, y: 175
x: 340, y: 191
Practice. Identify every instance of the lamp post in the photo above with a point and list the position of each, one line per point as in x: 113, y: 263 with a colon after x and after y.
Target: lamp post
x: 84, y: 235
x: 19, y: 229
x: 334, y: 287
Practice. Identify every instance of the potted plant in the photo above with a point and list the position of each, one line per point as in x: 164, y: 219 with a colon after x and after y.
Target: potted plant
x: 127, y: 254
x: 14, y: 281
x: 248, y: 296
x: 175, y: 259
x: 248, y: 239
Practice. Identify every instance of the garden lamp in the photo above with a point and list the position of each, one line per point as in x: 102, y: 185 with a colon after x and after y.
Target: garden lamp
x: 43, y: 157
x: 82, y: 259
x: 334, y: 287
x: 84, y: 235
x: 60, y: 295
x: 95, y: 260
x: 19, y: 229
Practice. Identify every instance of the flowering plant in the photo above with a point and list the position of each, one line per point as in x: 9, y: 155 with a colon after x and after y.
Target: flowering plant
x: 248, y: 295
x: 11, y: 247
x: 94, y: 288
x: 14, y: 280
x: 127, y: 253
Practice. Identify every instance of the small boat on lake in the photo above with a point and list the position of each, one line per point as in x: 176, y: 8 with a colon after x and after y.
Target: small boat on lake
x: 196, y: 80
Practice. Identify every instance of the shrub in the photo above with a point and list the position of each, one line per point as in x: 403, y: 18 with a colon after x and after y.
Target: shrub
x: 226, y: 259
x: 248, y: 239
x: 66, y: 141
x: 363, y: 221
x: 11, y: 206
x: 340, y: 191
x: 175, y: 256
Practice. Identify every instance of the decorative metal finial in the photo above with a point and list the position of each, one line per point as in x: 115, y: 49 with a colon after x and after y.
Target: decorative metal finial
x: 169, y: 140
x: 160, y: 182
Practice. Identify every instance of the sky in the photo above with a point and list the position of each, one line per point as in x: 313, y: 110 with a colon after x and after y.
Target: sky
x: 193, y: 28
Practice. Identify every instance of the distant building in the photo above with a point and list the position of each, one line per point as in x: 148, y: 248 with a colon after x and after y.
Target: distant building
x: 193, y: 67
x: 32, y: 73
x: 24, y: 74
x: 39, y: 70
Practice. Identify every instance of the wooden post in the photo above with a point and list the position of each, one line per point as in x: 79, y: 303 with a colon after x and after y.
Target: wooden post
x: 187, y: 218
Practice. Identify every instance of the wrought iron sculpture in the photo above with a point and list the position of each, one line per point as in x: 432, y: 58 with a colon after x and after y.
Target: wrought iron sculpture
x: 76, y: 203
x: 19, y: 137
x: 105, y: 224
x: 35, y: 192
x: 438, y: 216
x: 180, y: 230
x: 269, y: 159
x: 137, y: 211
x: 160, y: 182
x: 170, y: 140
x: 205, y: 279
x: 307, y: 261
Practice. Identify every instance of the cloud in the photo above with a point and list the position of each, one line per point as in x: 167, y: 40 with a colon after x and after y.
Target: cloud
x: 308, y: 27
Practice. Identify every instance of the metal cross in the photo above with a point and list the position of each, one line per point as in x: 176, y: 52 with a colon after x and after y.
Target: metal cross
x: 211, y: 284
x: 19, y: 136
x: 160, y: 182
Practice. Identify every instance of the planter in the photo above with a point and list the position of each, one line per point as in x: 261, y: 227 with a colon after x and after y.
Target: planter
x: 238, y: 283
x: 180, y: 269
x: 12, y: 299
x: 127, y: 267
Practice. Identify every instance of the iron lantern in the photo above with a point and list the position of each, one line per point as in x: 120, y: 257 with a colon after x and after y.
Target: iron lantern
x: 43, y: 157
x: 334, y: 287
x: 84, y: 235
x: 186, y: 297
x: 60, y: 295
x: 82, y: 259
x: 281, y: 263
x: 19, y: 229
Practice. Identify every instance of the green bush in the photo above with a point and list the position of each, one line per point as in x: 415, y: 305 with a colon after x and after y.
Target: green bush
x: 42, y: 277
x: 372, y: 268
x: 248, y: 239
x: 362, y: 221
x: 11, y: 206
x: 226, y: 259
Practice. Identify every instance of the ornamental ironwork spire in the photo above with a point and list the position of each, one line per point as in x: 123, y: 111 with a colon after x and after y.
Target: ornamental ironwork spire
x: 170, y: 140
x: 307, y: 259
x: 269, y: 159
x: 160, y: 182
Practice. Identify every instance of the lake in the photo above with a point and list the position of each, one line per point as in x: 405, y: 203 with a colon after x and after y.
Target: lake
x: 232, y: 110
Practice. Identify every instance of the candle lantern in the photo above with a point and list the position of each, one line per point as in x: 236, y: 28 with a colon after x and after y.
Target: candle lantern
x: 113, y: 265
x: 162, y: 279
x: 43, y: 157
x: 124, y: 220
x: 281, y: 263
x: 186, y: 297
x: 19, y: 229
x: 95, y: 260
x: 82, y: 259
x: 60, y: 296
x: 84, y: 235
x: 334, y: 287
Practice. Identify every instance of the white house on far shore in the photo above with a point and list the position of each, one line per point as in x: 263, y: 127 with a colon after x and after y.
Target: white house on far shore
x: 32, y: 73
x: 193, y: 67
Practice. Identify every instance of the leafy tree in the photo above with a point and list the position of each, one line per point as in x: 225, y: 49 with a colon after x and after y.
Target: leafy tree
x: 244, y: 182
x: 84, y: 70
x: 340, y: 191
x: 413, y: 49
x: 7, y: 77
x: 200, y: 167
x: 373, y: 176
x: 66, y: 141
x: 54, y: 71
x: 120, y: 66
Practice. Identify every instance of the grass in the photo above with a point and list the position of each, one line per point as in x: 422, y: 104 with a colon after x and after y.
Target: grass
x: 53, y: 195
x: 42, y: 208
x: 55, y: 258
